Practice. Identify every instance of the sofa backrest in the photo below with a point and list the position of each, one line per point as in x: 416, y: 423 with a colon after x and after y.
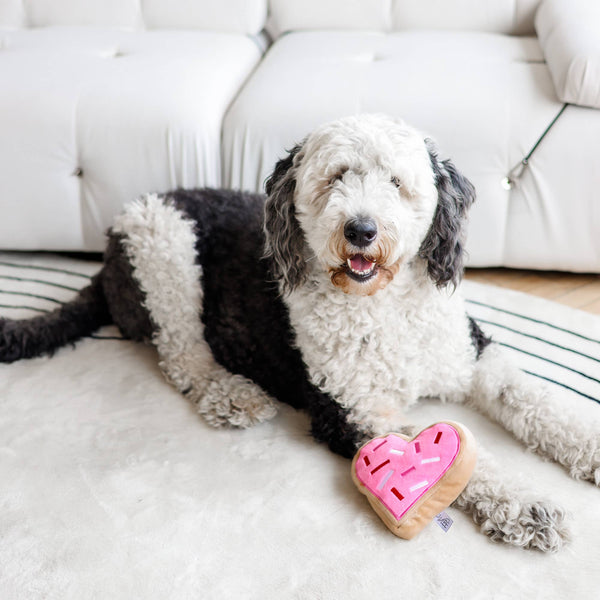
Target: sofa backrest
x: 499, y: 16
x: 236, y: 16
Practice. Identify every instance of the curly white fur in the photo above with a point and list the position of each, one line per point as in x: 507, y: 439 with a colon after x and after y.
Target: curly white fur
x: 367, y: 351
x: 529, y: 410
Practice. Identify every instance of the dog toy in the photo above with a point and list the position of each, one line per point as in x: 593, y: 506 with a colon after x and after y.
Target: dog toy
x: 408, y: 482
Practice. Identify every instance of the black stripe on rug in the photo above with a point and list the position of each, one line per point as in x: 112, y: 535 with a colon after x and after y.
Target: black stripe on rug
x: 544, y: 341
x: 549, y: 360
x: 40, y: 268
x: 563, y: 385
x: 29, y: 280
x: 539, y: 339
x: 30, y: 295
x: 20, y: 307
x: 540, y: 322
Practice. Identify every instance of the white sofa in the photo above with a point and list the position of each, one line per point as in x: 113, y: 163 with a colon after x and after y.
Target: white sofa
x: 102, y: 101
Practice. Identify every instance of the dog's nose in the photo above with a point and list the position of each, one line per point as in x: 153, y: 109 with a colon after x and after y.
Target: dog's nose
x: 360, y: 232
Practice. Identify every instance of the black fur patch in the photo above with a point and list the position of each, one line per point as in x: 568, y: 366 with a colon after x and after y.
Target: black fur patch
x: 246, y: 323
x: 330, y: 424
x: 284, y: 242
x: 443, y: 247
x: 125, y: 299
x: 479, y: 340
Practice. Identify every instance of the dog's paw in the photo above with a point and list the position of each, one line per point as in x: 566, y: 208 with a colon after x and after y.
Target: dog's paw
x: 586, y: 465
x: 234, y: 401
x: 531, y: 525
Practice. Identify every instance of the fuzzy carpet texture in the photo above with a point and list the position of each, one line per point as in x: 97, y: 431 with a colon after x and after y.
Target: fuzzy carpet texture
x: 112, y: 487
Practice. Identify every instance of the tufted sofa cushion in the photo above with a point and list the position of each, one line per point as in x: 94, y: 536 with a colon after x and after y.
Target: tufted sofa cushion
x: 236, y: 16
x: 514, y: 17
x: 498, y: 16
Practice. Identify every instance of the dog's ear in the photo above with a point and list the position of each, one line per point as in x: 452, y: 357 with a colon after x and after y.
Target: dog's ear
x: 284, y: 240
x: 443, y: 247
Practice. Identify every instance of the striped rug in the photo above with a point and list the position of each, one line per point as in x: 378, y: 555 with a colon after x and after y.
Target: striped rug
x: 555, y: 343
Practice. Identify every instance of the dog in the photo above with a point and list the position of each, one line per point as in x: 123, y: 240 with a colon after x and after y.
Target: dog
x: 335, y: 293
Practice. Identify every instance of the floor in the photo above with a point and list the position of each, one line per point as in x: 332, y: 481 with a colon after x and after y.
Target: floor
x: 575, y: 290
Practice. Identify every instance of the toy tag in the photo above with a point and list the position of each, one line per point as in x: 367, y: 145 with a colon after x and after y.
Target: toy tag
x: 444, y: 520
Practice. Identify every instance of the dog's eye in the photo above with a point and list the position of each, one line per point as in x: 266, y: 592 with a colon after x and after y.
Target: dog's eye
x: 396, y: 181
x: 338, y: 176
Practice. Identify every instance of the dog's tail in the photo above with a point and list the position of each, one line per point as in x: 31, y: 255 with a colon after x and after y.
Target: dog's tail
x: 28, y: 338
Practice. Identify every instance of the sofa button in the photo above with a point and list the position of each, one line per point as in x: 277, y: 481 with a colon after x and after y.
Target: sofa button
x: 78, y: 172
x: 112, y: 53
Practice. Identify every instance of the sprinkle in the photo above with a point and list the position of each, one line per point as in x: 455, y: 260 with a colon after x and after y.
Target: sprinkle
x: 379, y: 445
x: 397, y: 493
x: 385, y: 479
x: 380, y: 466
x: 418, y: 486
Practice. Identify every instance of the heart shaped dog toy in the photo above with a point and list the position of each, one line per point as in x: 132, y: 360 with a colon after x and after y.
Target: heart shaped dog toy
x: 408, y: 482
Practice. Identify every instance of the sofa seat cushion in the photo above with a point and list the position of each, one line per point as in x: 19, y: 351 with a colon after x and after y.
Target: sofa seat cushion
x: 486, y: 98
x: 93, y: 117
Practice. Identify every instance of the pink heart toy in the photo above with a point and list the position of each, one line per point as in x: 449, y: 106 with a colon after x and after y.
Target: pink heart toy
x: 408, y: 482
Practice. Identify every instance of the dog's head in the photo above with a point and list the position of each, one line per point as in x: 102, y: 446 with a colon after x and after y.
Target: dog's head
x: 359, y: 197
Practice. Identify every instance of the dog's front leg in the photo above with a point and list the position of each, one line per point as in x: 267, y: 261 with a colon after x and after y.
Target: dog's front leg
x: 159, y: 242
x: 506, y: 514
x: 339, y: 427
x: 222, y: 398
x: 528, y: 409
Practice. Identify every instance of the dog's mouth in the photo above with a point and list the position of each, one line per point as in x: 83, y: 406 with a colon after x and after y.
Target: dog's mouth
x: 360, y: 268
x: 363, y: 275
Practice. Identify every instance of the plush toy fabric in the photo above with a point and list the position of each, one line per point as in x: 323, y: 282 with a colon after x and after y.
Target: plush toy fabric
x: 407, y: 481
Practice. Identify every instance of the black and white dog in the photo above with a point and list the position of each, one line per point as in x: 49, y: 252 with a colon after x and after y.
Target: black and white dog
x: 346, y: 314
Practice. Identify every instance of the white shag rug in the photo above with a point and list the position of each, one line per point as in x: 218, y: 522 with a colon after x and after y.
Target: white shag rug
x: 112, y: 487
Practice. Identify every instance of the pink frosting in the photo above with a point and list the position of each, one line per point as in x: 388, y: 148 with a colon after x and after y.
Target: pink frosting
x: 400, y: 472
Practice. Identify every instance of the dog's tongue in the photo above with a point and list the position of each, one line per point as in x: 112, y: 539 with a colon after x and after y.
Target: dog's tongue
x: 359, y: 263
